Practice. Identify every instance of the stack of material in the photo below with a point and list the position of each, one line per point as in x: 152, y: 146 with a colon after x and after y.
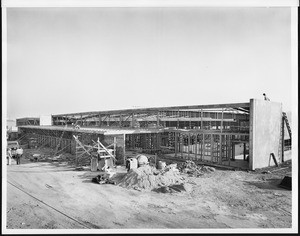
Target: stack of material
x: 149, y: 178
x: 189, y: 167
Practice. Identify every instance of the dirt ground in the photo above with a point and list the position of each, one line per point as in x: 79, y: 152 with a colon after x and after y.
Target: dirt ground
x: 54, y: 195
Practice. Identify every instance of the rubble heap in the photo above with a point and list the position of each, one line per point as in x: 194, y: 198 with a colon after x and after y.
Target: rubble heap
x: 149, y: 178
x: 191, y: 168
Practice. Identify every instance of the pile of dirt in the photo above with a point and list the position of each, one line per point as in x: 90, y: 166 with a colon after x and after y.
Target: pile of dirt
x: 191, y: 168
x: 149, y: 178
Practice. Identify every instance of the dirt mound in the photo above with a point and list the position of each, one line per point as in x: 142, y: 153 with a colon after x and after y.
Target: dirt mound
x: 148, y: 178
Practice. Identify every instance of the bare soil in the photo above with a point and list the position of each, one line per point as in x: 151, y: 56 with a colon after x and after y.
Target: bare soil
x: 54, y: 195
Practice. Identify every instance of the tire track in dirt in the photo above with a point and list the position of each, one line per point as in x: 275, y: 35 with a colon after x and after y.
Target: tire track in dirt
x: 85, y: 225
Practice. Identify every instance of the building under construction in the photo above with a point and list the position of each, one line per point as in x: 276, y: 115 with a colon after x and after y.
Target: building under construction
x: 248, y: 135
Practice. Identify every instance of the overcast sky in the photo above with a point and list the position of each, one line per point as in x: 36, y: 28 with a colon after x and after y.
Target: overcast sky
x: 64, y: 60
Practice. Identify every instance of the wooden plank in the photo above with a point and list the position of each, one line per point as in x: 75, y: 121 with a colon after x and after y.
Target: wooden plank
x: 274, y: 159
x: 80, y: 144
x: 105, y: 149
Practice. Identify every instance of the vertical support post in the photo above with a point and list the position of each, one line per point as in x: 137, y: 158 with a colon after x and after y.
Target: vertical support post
x: 181, y: 144
x: 221, y: 128
x: 133, y: 141
x: 189, y: 145
x: 124, y: 148
x: 196, y: 145
x: 244, y: 152
x: 132, y: 120
x: 229, y: 149
x: 203, y: 147
x: 211, y: 147
x: 202, y: 120
x: 199, y: 114
x: 81, y: 120
x: 115, y: 149
x: 176, y: 144
x: 282, y: 140
x: 159, y: 141
x: 157, y: 119
x: 100, y: 123
x: 120, y: 121
x: 178, y: 119
x: 220, y: 156
x: 233, y: 151
x: 145, y: 141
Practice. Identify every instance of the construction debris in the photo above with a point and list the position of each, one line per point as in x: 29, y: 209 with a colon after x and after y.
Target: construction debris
x: 184, y: 187
x: 80, y: 168
x: 36, y: 157
x: 192, y: 169
x: 103, y: 179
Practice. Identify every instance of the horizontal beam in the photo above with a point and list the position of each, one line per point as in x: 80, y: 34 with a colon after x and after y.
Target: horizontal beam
x: 93, y: 130
x: 201, y: 131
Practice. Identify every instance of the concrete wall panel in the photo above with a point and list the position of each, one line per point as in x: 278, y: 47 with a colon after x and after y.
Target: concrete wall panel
x: 265, y: 133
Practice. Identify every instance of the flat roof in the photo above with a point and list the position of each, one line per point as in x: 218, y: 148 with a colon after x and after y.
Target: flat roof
x: 28, y: 118
x: 105, y: 131
x: 171, y: 108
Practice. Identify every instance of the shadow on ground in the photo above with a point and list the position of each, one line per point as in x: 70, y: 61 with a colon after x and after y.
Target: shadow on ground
x: 87, y: 176
x: 267, y: 184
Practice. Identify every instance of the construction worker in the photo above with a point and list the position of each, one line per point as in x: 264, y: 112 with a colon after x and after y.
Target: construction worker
x: 75, y: 126
x: 265, y: 97
x: 9, y: 156
x: 19, y: 153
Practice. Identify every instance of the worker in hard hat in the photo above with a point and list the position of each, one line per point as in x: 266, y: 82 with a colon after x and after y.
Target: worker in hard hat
x: 265, y: 97
x: 19, y: 153
x: 9, y: 156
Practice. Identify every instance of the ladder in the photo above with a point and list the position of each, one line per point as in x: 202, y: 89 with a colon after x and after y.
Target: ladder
x: 287, y: 124
x: 281, y: 142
